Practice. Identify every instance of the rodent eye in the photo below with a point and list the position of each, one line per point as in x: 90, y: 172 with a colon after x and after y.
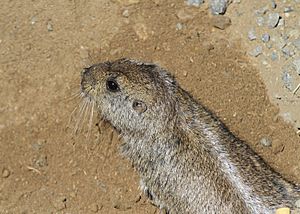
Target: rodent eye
x: 112, y: 85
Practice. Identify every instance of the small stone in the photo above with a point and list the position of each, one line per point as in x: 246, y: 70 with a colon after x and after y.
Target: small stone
x: 195, y: 3
x: 273, y: 20
x: 277, y: 149
x: 281, y: 22
x: 287, y: 52
x: 33, y: 20
x: 256, y: 51
x: 274, y: 56
x: 221, y: 22
x: 179, y: 26
x: 236, y: 1
x: 251, y: 34
x: 296, y: 64
x: 5, y: 173
x: 297, y: 203
x: 288, y: 9
x: 296, y: 43
x: 265, y: 37
x: 273, y: 4
x: 125, y: 13
x: 260, y: 21
x: 287, y: 80
x: 218, y: 6
x: 266, y: 142
x: 49, y: 26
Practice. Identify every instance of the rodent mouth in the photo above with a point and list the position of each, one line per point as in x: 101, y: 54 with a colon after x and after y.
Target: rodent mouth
x: 85, y: 92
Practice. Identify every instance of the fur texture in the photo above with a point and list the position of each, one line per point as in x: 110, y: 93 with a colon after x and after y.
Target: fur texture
x: 188, y: 161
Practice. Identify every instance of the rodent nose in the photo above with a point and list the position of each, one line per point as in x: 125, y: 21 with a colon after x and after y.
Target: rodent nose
x: 87, y: 77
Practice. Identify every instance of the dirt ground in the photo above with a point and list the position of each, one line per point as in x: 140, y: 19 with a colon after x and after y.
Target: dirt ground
x: 44, y: 168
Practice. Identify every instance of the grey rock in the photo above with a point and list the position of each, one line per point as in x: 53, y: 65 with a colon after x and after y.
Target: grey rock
x: 273, y: 19
x: 297, y: 203
x: 287, y: 80
x: 266, y: 142
x: 281, y: 22
x: 265, y: 37
x: 218, y: 6
x: 251, y: 34
x: 296, y: 43
x: 287, y: 52
x: 195, y: 3
x: 274, y: 56
x: 296, y: 64
x: 288, y: 9
x: 260, y: 21
x: 256, y: 51
x: 273, y: 4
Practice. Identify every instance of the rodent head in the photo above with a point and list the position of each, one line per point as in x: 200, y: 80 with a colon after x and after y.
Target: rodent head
x: 134, y: 97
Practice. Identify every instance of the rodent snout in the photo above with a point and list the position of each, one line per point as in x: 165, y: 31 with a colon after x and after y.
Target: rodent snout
x: 88, y: 78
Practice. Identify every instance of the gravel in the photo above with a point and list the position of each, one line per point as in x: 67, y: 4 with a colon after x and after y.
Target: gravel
x: 265, y: 37
x: 252, y: 34
x: 273, y: 19
x: 218, y: 6
x: 266, y: 142
x: 195, y: 3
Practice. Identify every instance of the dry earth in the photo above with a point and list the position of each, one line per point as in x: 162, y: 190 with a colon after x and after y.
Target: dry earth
x: 44, y: 168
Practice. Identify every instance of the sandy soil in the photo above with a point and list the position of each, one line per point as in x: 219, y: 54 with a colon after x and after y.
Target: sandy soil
x: 44, y: 46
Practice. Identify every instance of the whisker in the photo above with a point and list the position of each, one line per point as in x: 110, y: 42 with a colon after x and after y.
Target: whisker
x: 91, y: 119
x: 86, y: 110
x: 81, y: 110
x: 78, y: 105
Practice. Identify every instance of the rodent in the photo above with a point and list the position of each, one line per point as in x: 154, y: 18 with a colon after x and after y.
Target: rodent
x: 187, y: 159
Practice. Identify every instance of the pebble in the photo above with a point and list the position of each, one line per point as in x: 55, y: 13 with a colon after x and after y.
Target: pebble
x: 125, y: 13
x: 274, y: 56
x: 179, y: 26
x: 296, y: 43
x: 281, y: 22
x: 265, y: 37
x: 273, y: 19
x: 287, y: 80
x: 273, y: 4
x: 252, y: 34
x: 287, y: 52
x: 297, y: 203
x: 296, y: 64
x: 221, y: 22
x: 266, y: 142
x: 49, y: 26
x: 260, y: 21
x: 256, y: 51
x: 195, y: 3
x: 218, y: 6
x: 5, y: 173
x: 41, y: 161
x: 288, y: 9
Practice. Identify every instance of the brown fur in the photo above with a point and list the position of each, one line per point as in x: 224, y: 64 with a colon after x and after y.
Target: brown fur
x: 188, y: 161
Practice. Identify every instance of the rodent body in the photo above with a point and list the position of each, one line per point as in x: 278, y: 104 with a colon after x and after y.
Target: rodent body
x: 188, y: 161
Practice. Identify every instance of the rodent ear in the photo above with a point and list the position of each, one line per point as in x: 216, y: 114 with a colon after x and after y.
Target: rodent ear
x: 139, y: 106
